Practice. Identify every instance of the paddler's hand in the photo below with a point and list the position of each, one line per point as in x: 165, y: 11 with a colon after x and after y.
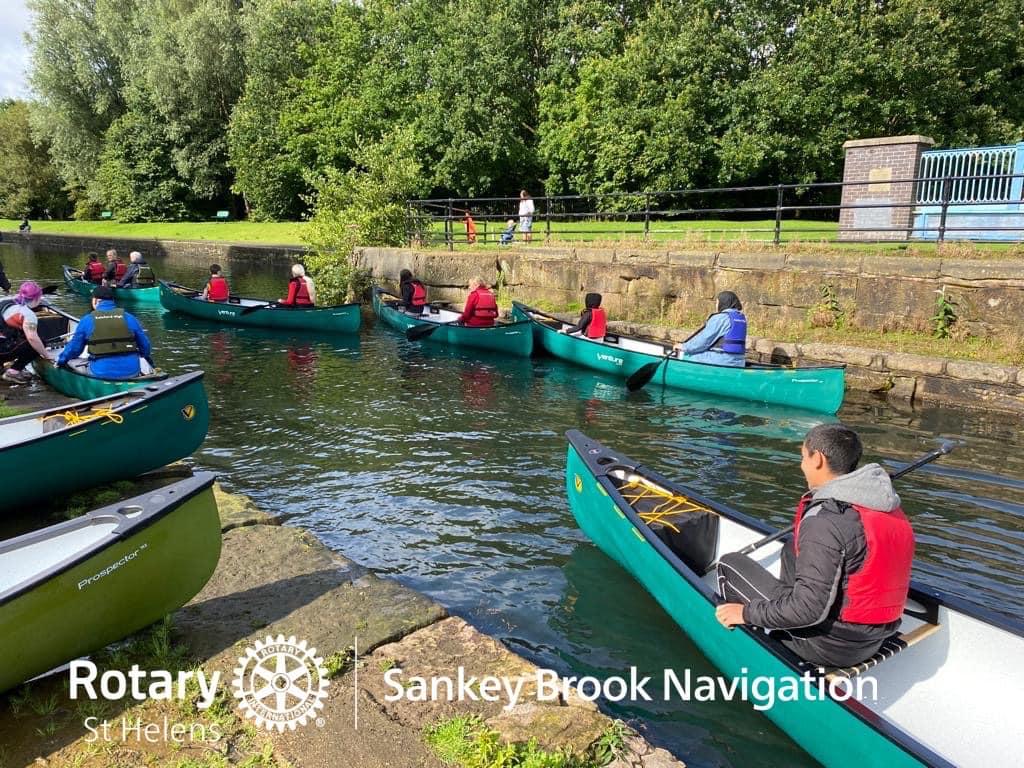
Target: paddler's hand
x: 730, y: 615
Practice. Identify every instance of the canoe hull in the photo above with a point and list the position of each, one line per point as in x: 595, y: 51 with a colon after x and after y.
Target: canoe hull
x: 344, y: 318
x: 506, y: 338
x: 72, y: 384
x: 826, y: 729
x: 818, y: 389
x: 121, y: 589
x: 166, y: 425
x: 121, y: 295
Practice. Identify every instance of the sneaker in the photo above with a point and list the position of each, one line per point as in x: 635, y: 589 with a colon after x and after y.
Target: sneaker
x: 16, y: 376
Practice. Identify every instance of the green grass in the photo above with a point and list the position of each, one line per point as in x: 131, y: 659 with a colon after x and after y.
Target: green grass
x: 467, y: 742
x: 6, y: 410
x: 271, y: 232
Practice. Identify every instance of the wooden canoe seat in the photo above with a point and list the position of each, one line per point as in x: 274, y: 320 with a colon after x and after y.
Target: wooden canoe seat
x: 890, y: 648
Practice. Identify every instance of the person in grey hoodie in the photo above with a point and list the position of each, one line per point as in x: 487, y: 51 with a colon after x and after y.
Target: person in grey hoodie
x: 846, y: 572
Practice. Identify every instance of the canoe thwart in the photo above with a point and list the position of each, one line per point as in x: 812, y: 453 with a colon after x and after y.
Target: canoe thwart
x: 891, y: 646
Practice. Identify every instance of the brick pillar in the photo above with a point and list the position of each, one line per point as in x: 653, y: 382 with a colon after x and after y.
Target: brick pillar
x: 879, y: 161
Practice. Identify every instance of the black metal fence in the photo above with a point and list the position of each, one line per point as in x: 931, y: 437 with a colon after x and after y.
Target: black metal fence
x: 871, y: 211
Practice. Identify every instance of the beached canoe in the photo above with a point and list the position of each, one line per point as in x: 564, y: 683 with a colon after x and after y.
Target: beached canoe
x: 74, y: 380
x: 141, y: 295
x: 341, y: 318
x: 137, y: 431
x: 816, y: 388
x: 514, y: 338
x: 73, y: 588
x: 947, y: 686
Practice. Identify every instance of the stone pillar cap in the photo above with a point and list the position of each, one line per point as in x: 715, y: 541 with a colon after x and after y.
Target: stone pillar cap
x: 887, y: 140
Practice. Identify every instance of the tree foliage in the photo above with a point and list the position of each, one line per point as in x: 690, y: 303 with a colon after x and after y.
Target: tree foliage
x: 291, y: 103
x: 29, y: 183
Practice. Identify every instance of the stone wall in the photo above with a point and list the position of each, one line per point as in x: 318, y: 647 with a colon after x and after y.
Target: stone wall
x: 877, y: 291
x: 182, y: 251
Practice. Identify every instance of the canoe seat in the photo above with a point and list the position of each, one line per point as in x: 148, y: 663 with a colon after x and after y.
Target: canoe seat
x: 890, y: 648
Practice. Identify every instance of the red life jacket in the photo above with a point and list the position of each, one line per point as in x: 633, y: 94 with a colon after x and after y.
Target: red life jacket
x: 218, y: 289
x: 301, y: 292
x: 419, y: 294
x: 486, y: 310
x: 120, y: 270
x: 94, y: 271
x: 876, y: 593
x: 598, y: 323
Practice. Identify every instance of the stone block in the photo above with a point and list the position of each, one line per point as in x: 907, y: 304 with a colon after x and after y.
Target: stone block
x: 964, y: 269
x: 903, y: 388
x: 901, y: 266
x: 902, y: 361
x: 702, y: 259
x: 863, y: 358
x: 826, y: 263
x: 763, y: 262
x: 970, y: 394
x: 594, y: 255
x: 981, y: 372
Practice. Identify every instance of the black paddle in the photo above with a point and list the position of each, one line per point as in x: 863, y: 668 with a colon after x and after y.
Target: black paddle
x: 928, y: 458
x: 642, y: 376
x: 49, y: 290
x: 417, y: 332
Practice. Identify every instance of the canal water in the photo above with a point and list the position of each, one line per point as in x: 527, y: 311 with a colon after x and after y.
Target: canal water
x: 445, y: 472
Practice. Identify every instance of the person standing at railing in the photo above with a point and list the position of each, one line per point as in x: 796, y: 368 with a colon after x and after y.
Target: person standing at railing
x: 526, y: 211
x: 470, y: 227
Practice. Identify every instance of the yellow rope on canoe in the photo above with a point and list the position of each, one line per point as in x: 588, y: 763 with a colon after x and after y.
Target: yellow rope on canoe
x: 670, y: 505
x: 74, y: 418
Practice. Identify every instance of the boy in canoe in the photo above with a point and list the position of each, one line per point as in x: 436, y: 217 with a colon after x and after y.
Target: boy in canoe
x: 216, y: 287
x: 115, y: 338
x: 594, y: 320
x: 846, y: 572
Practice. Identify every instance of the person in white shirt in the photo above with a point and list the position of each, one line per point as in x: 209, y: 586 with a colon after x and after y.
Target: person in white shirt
x: 526, y: 210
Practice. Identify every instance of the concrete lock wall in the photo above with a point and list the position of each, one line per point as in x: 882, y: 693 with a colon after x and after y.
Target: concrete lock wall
x: 875, y: 291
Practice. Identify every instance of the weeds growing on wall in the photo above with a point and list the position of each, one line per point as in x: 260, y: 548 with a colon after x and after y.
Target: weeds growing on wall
x: 945, y: 315
x: 828, y: 312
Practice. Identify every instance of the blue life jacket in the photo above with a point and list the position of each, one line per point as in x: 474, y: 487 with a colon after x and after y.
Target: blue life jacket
x: 734, y: 342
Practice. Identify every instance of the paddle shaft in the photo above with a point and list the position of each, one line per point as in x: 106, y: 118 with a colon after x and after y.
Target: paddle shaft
x: 643, y: 375
x: 926, y: 459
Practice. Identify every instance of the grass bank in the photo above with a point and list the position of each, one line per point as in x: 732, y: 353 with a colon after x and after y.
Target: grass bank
x: 269, y: 232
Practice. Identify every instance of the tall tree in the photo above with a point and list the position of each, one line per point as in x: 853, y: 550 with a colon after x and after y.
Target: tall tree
x: 29, y: 183
x: 279, y: 38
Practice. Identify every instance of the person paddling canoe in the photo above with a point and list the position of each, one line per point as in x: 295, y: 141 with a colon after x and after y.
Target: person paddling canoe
x: 481, y: 308
x: 116, y: 339
x: 846, y: 572
x: 723, y: 339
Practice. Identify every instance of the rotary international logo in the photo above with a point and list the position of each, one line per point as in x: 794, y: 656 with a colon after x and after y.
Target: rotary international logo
x: 280, y: 682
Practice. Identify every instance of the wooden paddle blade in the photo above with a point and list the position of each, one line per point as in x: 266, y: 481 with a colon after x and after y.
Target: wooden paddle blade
x: 643, y: 375
x: 417, y: 332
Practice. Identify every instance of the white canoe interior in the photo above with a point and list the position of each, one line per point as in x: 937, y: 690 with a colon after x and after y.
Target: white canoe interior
x: 17, y: 429
x: 626, y: 343
x: 955, y: 690
x: 28, y: 558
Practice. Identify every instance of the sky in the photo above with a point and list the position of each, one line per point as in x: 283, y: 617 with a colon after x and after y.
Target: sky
x: 13, y: 54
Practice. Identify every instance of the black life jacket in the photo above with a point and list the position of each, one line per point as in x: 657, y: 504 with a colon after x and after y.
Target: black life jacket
x: 111, y: 334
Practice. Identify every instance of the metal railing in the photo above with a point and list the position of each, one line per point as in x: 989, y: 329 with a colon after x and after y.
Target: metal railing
x: 893, y: 210
x: 980, y: 174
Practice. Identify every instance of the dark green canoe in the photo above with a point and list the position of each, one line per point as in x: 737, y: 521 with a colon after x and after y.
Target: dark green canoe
x: 142, y: 295
x: 74, y: 380
x: 102, y: 440
x: 944, y: 692
x: 341, y: 318
x: 71, y: 589
x: 514, y: 338
x: 817, y: 388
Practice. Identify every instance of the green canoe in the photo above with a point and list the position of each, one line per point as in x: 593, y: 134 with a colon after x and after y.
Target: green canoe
x: 947, y: 687
x: 142, y: 295
x: 342, y: 318
x: 815, y: 388
x: 513, y: 338
x: 74, y: 380
x: 137, y: 431
x: 71, y: 589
